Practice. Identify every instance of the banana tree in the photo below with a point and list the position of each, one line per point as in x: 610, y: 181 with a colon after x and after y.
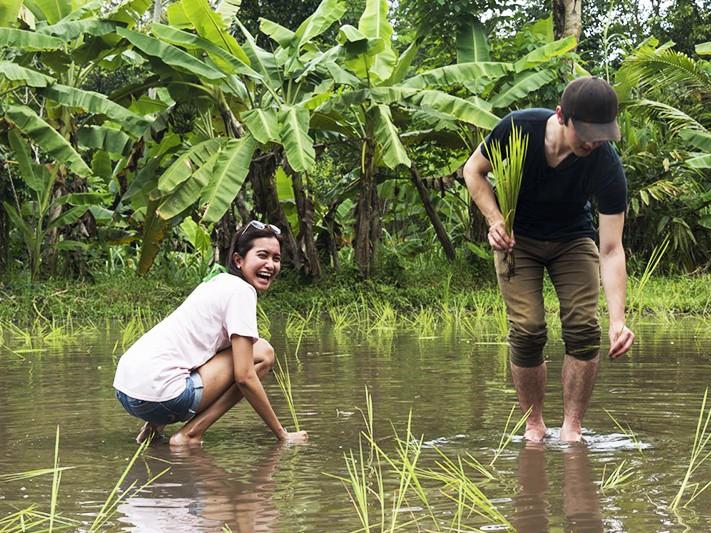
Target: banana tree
x: 374, y: 103
x: 47, y: 51
x: 259, y: 96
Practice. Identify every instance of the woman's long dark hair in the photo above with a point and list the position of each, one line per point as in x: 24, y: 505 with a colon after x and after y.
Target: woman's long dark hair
x: 243, y: 241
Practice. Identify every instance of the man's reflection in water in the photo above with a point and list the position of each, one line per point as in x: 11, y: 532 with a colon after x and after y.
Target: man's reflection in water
x: 199, y: 495
x: 581, y: 503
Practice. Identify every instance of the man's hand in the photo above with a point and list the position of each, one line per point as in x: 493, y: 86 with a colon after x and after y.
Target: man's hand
x: 499, y: 239
x: 621, y: 339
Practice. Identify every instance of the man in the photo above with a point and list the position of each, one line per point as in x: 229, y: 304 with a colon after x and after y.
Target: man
x: 569, y: 162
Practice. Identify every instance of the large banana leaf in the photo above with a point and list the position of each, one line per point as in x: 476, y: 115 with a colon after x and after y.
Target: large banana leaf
x: 228, y: 175
x: 71, y: 29
x: 8, y: 11
x: 374, y: 24
x: 327, y: 12
x: 699, y: 139
x: 222, y: 58
x: 19, y: 223
x: 701, y: 161
x: 263, y: 124
x: 522, y: 86
x: 129, y: 12
x: 703, y: 49
x: 188, y: 162
x: 21, y: 154
x: 472, y: 44
x: 458, y: 74
x: 101, y: 138
x: 284, y: 36
x: 260, y: 60
x: 170, y: 55
x: 28, y: 41
x: 47, y: 138
x: 97, y: 103
x: 211, y: 26
x: 295, y: 138
x: 392, y: 152
x: 403, y: 64
x: 52, y: 10
x: 15, y: 72
x: 545, y: 53
x: 188, y: 192
x: 70, y: 216
x: 458, y: 108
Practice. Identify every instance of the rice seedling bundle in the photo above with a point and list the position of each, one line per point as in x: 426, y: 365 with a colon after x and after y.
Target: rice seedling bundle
x: 507, y: 171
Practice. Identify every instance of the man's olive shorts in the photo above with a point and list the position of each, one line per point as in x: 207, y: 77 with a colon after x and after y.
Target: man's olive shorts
x: 574, y: 269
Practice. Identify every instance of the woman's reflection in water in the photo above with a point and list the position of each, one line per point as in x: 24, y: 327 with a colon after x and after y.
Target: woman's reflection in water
x: 581, y: 503
x: 198, y: 495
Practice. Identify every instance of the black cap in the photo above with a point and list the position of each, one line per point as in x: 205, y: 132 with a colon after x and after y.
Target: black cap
x: 592, y: 104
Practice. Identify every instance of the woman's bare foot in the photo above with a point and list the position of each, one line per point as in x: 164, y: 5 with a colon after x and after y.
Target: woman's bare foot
x: 535, y: 431
x: 184, y: 439
x: 149, y: 431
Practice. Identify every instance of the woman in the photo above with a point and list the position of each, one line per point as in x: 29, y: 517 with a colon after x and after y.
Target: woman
x: 207, y: 355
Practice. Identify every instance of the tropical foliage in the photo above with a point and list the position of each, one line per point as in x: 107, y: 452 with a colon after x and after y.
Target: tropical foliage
x: 144, y: 128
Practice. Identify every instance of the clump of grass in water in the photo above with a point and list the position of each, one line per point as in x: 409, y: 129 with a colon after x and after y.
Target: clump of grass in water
x: 283, y: 379
x: 698, y: 456
x: 29, y: 519
x: 618, y: 477
x: 627, y: 432
x: 508, y: 174
x: 507, y: 437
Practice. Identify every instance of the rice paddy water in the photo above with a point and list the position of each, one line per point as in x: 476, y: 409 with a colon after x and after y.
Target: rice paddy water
x: 411, y: 428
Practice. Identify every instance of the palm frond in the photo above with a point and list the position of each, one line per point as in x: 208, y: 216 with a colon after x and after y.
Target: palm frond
x: 673, y: 116
x: 658, y: 68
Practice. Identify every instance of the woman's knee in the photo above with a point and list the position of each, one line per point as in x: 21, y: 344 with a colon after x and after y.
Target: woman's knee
x: 264, y: 354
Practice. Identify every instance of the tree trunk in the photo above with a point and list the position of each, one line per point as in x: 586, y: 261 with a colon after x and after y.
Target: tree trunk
x: 266, y: 201
x: 567, y: 18
x: 441, y: 232
x: 367, y: 223
x: 305, y: 211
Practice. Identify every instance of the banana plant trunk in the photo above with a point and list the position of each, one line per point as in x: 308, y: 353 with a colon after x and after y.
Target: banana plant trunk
x: 440, y: 231
x: 305, y: 212
x: 567, y: 18
x: 266, y: 201
x: 367, y: 225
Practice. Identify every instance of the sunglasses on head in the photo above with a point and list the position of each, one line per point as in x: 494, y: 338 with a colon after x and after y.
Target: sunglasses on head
x: 260, y: 226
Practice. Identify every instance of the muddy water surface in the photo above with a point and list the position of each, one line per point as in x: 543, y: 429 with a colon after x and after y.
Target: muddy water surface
x: 458, y: 388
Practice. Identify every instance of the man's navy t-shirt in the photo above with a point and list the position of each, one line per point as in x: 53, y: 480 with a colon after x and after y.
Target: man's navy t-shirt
x: 554, y: 203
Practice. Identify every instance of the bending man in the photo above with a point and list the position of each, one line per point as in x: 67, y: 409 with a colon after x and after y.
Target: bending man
x: 569, y: 163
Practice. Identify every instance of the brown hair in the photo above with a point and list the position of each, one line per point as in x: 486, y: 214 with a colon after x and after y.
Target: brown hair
x: 242, y: 243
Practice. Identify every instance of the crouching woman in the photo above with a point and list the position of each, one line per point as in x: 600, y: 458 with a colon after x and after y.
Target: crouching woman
x: 206, y: 356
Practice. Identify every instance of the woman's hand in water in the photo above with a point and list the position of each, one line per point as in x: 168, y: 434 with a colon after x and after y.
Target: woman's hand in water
x: 294, y: 436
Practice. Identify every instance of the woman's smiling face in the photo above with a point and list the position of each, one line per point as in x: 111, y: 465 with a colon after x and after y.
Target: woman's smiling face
x: 261, y: 264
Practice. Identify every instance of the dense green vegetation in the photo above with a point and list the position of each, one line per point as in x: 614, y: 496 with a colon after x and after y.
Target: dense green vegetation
x: 135, y: 137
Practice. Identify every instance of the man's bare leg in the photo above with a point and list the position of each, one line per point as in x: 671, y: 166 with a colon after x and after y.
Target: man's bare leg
x: 220, y: 392
x: 578, y: 381
x: 530, y: 384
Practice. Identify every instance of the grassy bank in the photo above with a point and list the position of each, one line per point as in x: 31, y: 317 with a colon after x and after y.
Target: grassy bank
x: 431, y: 285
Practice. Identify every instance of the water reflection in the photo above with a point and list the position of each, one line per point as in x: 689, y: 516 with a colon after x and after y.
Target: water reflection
x: 200, y: 495
x: 581, y: 503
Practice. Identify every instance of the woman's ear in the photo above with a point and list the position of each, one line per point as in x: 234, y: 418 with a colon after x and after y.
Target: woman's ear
x: 237, y: 260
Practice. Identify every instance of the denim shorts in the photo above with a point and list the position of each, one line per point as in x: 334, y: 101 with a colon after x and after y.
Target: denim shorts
x: 178, y: 409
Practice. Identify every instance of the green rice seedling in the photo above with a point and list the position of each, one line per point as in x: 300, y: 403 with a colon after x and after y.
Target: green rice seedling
x: 507, y: 436
x: 618, y: 477
x: 425, y: 323
x: 508, y: 174
x: 339, y: 318
x: 699, y: 455
x: 283, y: 379
x: 264, y: 324
x: 384, y: 316
x: 114, y: 498
x: 636, y: 303
x: 627, y: 432
x: 501, y: 320
x: 297, y: 324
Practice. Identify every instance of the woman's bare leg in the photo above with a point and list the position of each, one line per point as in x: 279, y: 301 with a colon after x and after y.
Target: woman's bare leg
x: 220, y: 392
